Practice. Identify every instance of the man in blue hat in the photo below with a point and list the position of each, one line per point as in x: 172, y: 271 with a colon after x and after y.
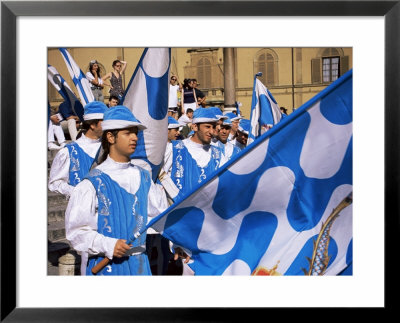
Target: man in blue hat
x: 111, y: 206
x: 73, y: 162
x: 242, y: 134
x: 228, y: 149
x: 173, y: 129
x: 235, y: 124
x: 192, y: 160
x: 218, y: 113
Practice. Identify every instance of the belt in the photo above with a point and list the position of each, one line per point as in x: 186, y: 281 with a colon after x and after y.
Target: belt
x: 95, y: 87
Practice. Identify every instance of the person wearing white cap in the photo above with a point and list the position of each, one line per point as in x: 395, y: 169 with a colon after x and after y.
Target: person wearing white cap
x: 221, y: 118
x: 73, y: 162
x: 222, y: 142
x: 242, y: 134
x: 173, y: 129
x: 190, y: 161
x: 235, y: 124
x: 111, y: 206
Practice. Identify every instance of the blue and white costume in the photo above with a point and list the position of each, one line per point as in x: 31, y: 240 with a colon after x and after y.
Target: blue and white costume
x: 189, y: 163
x: 73, y: 162
x: 113, y: 202
x: 228, y: 149
x: 96, y: 218
x: 193, y: 162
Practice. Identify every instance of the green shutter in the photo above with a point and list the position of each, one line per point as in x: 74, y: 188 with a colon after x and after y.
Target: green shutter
x: 344, y: 64
x: 316, y: 70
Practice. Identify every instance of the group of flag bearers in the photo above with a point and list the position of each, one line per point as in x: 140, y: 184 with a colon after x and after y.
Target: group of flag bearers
x: 141, y: 180
x: 111, y: 199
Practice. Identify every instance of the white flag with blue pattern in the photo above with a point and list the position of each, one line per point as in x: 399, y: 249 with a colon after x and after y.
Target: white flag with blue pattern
x: 265, y: 111
x: 147, y: 97
x: 65, y: 91
x: 268, y: 211
x: 82, y: 84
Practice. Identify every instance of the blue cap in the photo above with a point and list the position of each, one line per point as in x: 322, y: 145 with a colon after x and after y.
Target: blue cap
x: 244, y: 126
x: 227, y: 122
x: 218, y: 112
x: 233, y: 116
x: 120, y: 117
x: 204, y: 115
x: 173, y: 123
x: 94, y: 110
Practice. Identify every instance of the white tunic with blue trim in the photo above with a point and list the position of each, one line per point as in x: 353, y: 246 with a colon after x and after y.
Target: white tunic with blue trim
x: 81, y: 215
x: 59, y: 178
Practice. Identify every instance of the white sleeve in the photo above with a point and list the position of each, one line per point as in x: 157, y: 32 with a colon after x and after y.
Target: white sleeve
x: 81, y: 222
x: 167, y: 166
x: 157, y: 200
x: 89, y: 76
x: 59, y: 173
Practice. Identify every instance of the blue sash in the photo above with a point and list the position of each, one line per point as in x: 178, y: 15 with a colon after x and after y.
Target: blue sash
x: 80, y: 163
x: 186, y: 174
x: 120, y: 215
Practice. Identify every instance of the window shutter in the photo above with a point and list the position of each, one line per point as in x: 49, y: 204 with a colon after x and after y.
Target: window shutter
x: 344, y: 64
x: 316, y: 70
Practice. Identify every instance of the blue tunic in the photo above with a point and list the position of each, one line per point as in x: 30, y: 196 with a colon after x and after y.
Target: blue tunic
x: 80, y: 163
x: 235, y: 149
x: 186, y: 173
x: 120, y: 215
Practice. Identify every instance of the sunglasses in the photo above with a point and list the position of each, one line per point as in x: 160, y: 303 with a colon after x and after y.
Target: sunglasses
x: 173, y: 79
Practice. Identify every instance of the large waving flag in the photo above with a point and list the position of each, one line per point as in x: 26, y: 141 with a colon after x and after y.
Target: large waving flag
x: 82, y: 84
x: 281, y: 206
x: 147, y: 97
x: 265, y: 112
x: 65, y: 91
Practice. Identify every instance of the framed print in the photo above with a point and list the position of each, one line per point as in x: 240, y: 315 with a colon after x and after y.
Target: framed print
x: 28, y: 28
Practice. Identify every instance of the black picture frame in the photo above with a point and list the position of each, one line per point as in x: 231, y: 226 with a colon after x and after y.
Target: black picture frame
x: 10, y: 10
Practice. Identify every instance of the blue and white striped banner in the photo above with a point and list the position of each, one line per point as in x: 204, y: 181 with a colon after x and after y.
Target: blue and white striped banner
x: 262, y: 211
x: 147, y: 97
x: 265, y: 111
x: 65, y: 91
x: 82, y: 84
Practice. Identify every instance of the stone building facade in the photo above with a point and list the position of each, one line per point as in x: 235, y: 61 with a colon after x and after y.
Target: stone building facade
x: 292, y: 75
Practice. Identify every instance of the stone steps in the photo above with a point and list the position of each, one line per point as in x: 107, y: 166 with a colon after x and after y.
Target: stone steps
x: 57, y: 244
x: 56, y: 231
x: 56, y: 200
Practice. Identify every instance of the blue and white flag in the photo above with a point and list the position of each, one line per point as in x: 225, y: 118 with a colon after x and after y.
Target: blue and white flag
x: 265, y: 112
x: 147, y: 97
x: 65, y: 91
x: 269, y: 210
x: 82, y: 84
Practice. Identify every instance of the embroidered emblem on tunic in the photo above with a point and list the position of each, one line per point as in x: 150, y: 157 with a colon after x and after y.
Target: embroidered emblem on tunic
x: 104, y: 201
x: 74, y: 161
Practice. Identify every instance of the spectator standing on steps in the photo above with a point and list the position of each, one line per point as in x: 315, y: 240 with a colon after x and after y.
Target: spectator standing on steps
x: 115, y: 77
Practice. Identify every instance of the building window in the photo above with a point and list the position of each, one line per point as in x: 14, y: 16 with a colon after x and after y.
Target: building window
x: 328, y: 65
x: 204, y: 72
x: 266, y: 62
x: 330, y: 69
